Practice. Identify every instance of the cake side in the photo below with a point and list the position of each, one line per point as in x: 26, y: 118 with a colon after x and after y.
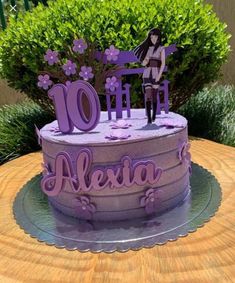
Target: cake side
x: 160, y: 151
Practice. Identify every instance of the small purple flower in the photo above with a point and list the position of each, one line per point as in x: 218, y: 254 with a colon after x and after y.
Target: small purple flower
x: 69, y: 68
x: 183, y: 151
x: 111, y: 83
x: 54, y: 129
x: 120, y: 124
x: 86, y: 73
x: 84, y: 208
x: 51, y: 57
x: 44, y: 81
x: 117, y: 134
x: 112, y: 53
x: 79, y: 45
x: 170, y: 123
x: 151, y: 200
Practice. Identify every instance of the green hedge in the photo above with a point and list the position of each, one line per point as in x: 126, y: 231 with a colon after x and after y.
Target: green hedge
x: 192, y: 25
x: 17, y: 129
x: 211, y: 114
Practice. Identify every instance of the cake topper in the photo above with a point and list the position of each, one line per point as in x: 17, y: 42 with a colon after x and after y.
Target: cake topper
x: 152, y: 55
x: 68, y: 77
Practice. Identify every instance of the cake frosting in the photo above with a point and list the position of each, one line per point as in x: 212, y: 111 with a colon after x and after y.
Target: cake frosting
x: 121, y: 169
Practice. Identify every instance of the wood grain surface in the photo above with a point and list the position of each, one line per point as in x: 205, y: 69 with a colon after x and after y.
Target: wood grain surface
x: 207, y: 255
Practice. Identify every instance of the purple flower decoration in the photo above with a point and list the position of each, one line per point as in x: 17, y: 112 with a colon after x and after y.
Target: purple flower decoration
x: 170, y: 123
x: 183, y: 151
x: 120, y: 124
x: 54, y: 129
x: 44, y: 81
x: 79, y: 45
x: 84, y: 208
x: 51, y: 57
x: 69, y: 68
x: 86, y: 73
x: 112, y: 53
x: 111, y: 83
x: 117, y: 134
x: 151, y: 200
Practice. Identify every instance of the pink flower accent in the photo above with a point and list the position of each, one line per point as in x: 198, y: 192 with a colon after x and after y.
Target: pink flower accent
x: 117, y: 134
x: 69, y: 68
x: 84, y: 208
x: 111, y: 83
x: 86, y: 73
x: 79, y: 45
x: 120, y: 124
x: 112, y: 53
x: 151, y: 200
x: 183, y: 151
x: 44, y: 81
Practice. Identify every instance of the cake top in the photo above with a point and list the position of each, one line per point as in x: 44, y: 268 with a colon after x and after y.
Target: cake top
x: 118, y: 131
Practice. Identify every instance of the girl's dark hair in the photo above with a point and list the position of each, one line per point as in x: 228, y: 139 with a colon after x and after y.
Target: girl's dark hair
x: 142, y: 49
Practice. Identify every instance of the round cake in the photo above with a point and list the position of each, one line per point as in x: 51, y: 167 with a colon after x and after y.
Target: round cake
x: 120, y: 170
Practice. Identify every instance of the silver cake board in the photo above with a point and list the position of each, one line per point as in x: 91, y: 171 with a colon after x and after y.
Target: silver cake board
x: 37, y: 217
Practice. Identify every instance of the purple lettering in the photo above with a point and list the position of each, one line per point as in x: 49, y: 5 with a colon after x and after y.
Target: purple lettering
x: 124, y: 175
x: 68, y: 106
x: 52, y: 183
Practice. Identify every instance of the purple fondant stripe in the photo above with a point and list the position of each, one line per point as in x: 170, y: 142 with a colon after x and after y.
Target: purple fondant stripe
x: 93, y: 201
x: 129, y: 213
x: 144, y: 148
x: 114, y: 162
x: 168, y: 177
x: 172, y: 159
x: 129, y: 191
x: 121, y: 202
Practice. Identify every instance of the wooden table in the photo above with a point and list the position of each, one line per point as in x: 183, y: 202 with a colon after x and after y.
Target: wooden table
x: 207, y: 255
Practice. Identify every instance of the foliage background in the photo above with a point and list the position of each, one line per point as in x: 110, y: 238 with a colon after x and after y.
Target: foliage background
x: 17, y: 129
x: 200, y: 37
x: 211, y: 114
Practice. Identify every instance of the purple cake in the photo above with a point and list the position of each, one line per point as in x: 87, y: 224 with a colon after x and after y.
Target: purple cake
x: 120, y: 170
x: 101, y: 169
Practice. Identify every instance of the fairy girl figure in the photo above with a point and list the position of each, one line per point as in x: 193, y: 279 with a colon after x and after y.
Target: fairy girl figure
x: 152, y: 55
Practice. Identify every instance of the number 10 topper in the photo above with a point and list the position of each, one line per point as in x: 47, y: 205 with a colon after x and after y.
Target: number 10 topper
x: 69, y: 108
